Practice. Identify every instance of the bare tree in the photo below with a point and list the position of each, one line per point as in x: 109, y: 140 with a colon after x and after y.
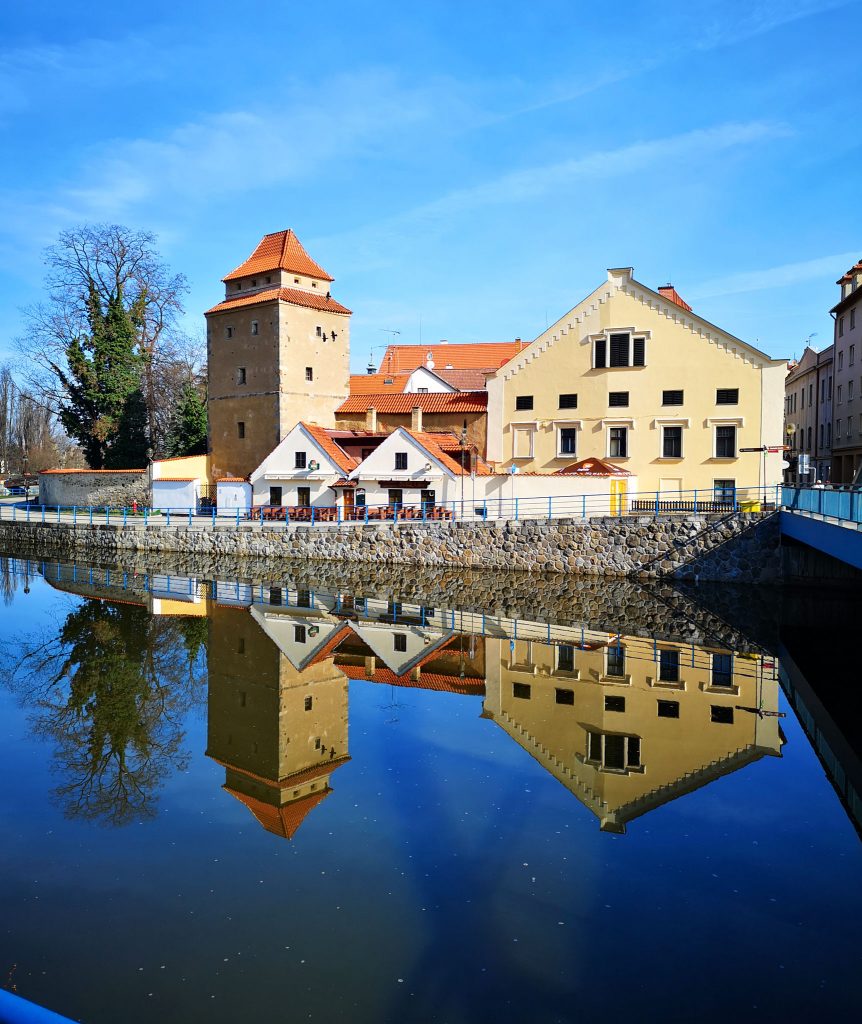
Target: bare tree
x: 117, y: 262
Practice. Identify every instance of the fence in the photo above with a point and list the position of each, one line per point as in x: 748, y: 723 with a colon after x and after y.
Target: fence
x: 707, y: 501
x: 846, y: 505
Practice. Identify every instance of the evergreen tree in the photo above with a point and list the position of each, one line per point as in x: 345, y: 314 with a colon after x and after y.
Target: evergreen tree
x: 188, y: 433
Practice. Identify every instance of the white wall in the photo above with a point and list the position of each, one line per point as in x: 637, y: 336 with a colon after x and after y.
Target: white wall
x: 278, y: 469
x: 380, y: 465
x: 175, y: 494
x: 231, y: 495
x: 422, y: 378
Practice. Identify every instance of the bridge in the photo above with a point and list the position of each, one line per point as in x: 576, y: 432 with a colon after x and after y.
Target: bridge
x: 825, y: 520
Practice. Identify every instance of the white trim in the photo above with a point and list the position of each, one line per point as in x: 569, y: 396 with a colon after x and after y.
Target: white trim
x: 725, y: 421
x: 618, y: 421
x: 531, y: 428
x: 736, y: 427
x: 624, y: 426
x: 671, y: 421
x: 664, y: 426
x: 559, y: 426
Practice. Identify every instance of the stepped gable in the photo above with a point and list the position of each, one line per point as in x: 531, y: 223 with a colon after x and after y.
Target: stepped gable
x: 295, y: 296
x: 478, y: 356
x: 280, y: 250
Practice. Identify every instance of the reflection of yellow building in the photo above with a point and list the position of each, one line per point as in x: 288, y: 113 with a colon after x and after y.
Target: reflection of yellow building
x: 277, y: 711
x: 630, y: 725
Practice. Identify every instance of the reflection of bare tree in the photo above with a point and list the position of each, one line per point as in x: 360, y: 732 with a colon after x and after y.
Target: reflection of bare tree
x: 13, y: 574
x: 110, y: 691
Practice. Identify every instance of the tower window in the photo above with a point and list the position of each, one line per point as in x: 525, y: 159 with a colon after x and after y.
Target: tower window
x: 269, y: 280
x: 254, y: 282
x: 309, y: 373
x: 299, y: 634
x: 314, y: 284
x: 309, y: 703
x: 240, y: 430
x: 239, y: 285
x: 727, y: 396
x: 228, y: 332
x: 240, y: 375
x: 318, y: 331
x: 254, y: 327
x: 296, y: 280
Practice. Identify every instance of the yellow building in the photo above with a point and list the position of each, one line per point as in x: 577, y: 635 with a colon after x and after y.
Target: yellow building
x: 277, y: 719
x: 627, y: 724
x: 278, y: 351
x: 635, y: 376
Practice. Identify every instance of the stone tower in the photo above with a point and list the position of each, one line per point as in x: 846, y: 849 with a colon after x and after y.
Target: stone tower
x: 278, y: 350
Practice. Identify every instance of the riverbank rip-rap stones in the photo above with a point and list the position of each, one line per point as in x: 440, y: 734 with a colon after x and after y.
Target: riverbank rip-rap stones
x: 743, y: 546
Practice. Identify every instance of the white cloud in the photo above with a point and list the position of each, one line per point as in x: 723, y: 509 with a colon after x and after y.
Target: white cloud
x: 828, y: 267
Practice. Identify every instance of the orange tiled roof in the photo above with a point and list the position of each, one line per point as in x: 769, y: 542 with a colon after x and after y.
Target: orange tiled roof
x: 426, y: 680
x: 231, y: 480
x: 281, y: 821
x: 377, y: 383
x: 295, y: 296
x: 451, y: 401
x: 851, y: 273
x: 339, y: 456
x: 669, y: 292
x: 316, y: 771
x: 439, y: 445
x: 592, y: 467
x: 281, y: 250
x: 463, y: 380
x: 478, y: 356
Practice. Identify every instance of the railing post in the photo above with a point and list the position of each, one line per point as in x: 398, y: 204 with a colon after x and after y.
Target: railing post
x: 190, y: 517
x: 366, y: 515
x: 168, y: 517
x: 516, y: 507
x: 237, y: 516
x: 91, y: 515
x: 549, y: 506
x: 125, y: 515
x: 146, y: 516
x: 312, y: 515
x: 695, y: 501
x: 43, y: 513
x: 656, y: 502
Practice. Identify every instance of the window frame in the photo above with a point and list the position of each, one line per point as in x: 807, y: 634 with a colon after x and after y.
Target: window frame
x: 664, y: 427
x: 725, y: 426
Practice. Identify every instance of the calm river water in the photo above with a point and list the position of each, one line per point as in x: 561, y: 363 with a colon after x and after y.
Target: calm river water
x: 227, y: 798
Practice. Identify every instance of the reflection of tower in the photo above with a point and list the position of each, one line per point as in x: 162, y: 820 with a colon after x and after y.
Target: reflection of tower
x: 628, y: 724
x: 277, y: 723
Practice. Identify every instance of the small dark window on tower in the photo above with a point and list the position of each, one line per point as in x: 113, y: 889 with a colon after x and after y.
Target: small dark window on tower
x: 318, y: 331
x: 668, y: 709
x: 671, y: 397
x: 255, y: 327
x: 566, y: 658
x: 309, y: 703
x: 240, y: 645
x: 309, y: 373
x: 314, y: 284
x: 239, y: 285
x: 668, y: 666
x: 618, y: 399
x: 521, y: 691
x: 615, y: 703
x: 240, y: 375
x: 296, y: 280
x: 564, y: 696
x: 399, y: 642
x: 568, y: 401
x: 240, y: 430
x: 727, y: 396
x: 523, y: 402
x: 228, y: 332
x: 269, y: 280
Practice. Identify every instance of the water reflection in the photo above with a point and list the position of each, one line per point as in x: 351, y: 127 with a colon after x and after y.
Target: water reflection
x: 626, y: 723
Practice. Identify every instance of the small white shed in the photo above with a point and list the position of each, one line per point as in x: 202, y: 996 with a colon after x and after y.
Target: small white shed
x: 232, y: 493
x: 176, y: 495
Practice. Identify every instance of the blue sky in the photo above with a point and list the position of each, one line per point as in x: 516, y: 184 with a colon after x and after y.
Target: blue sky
x: 471, y: 167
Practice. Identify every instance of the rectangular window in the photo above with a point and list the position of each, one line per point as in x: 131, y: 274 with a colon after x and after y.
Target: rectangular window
x: 240, y: 645
x: 600, y: 354
x: 618, y: 399
x: 616, y: 661
x: 849, y: 390
x: 671, y: 443
x: 568, y: 401
x: 564, y: 696
x: 318, y: 331
x: 840, y: 330
x: 668, y: 709
x: 565, y: 658
x: 811, y: 394
x: 303, y: 497
x: 851, y: 355
x: 428, y: 498
x: 668, y: 666
x: 299, y: 634
x: 399, y: 642
x: 840, y: 394
x: 523, y: 403
x: 802, y: 399
x: 303, y: 599
x: 240, y: 375
x: 228, y: 332
x: 619, y: 350
x: 852, y: 318
x: 808, y: 446
x: 309, y: 703
x: 823, y: 390
x: 521, y: 691
x: 300, y: 460
x: 671, y: 397
x: 619, y: 442
x: 722, y: 670
x: 396, y: 496
x: 638, y: 351
x: 275, y: 595
x: 275, y: 496
x: 613, y: 703
x: 240, y: 430
x: 254, y: 327
x: 401, y: 460
x: 717, y: 713
x: 840, y: 360
x: 724, y: 491
x: 727, y: 396
x: 725, y: 442
x: 615, y: 752
x: 568, y: 441
x: 309, y: 373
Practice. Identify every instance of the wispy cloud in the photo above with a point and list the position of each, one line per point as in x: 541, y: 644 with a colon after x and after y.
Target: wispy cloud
x: 719, y: 25
x: 828, y: 267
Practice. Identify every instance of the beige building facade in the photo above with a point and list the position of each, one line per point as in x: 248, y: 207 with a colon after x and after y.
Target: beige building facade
x: 808, y: 391
x: 847, y: 402
x: 634, y: 376
x: 278, y: 350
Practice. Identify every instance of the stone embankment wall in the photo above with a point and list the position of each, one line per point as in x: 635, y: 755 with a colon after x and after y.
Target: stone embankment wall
x: 739, y: 547
x: 115, y: 488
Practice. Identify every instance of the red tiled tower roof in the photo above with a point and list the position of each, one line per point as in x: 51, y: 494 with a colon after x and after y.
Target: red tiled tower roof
x: 281, y: 821
x: 281, y: 250
x: 293, y: 295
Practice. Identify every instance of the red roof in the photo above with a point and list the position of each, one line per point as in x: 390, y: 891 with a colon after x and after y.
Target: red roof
x: 295, y: 296
x: 377, y: 383
x: 851, y: 273
x: 592, y: 467
x: 478, y: 356
x: 339, y: 456
x: 231, y: 480
x: 281, y: 250
x: 463, y: 380
x: 441, y: 445
x: 669, y: 292
x: 453, y: 401
x: 426, y: 680
x: 281, y: 821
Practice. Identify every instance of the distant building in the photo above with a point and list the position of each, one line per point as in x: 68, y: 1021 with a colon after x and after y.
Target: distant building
x: 847, y: 403
x: 278, y: 352
x: 808, y: 416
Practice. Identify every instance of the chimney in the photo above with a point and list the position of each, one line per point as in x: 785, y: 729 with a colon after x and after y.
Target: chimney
x: 416, y: 418
x: 667, y: 291
x: 371, y: 419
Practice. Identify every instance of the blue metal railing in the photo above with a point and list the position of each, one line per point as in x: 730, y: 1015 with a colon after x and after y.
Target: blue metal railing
x: 15, y: 1010
x: 845, y: 505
